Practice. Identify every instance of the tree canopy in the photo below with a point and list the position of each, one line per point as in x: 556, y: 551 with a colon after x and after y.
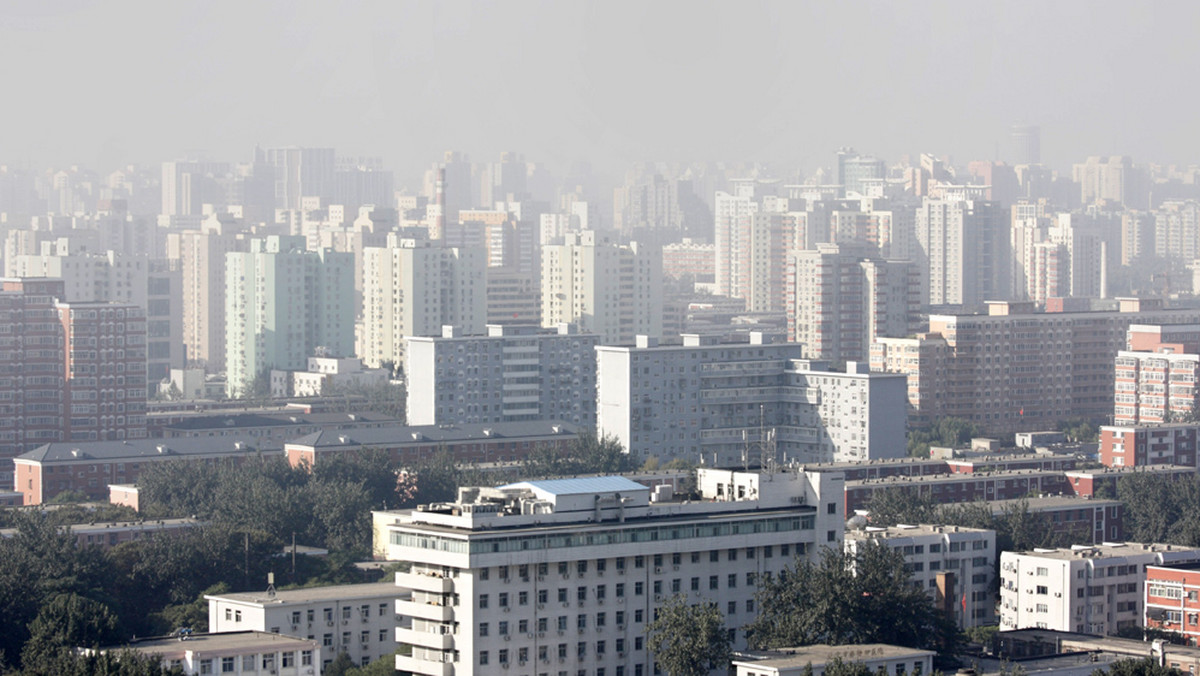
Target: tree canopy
x: 865, y: 597
x: 688, y: 640
x: 1137, y: 667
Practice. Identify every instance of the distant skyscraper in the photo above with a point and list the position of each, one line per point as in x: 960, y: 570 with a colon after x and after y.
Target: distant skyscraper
x: 854, y: 171
x: 1026, y: 144
x: 201, y: 260
x: 281, y: 303
x: 299, y: 173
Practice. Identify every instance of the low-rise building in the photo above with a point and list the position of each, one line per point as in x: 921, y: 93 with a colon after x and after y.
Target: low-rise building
x: 1086, y: 520
x: 1149, y: 444
x: 357, y: 619
x: 113, y: 533
x: 1096, y: 589
x: 1173, y: 599
x: 90, y: 467
x: 565, y: 574
x: 242, y: 652
x: 878, y: 658
x: 326, y: 375
x: 955, y: 565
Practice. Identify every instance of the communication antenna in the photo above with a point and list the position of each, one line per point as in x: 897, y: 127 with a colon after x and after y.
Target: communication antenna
x: 270, y: 585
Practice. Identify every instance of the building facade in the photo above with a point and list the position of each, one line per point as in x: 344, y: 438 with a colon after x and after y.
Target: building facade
x: 281, y: 303
x: 356, y: 619
x: 565, y: 574
x: 1096, y: 589
x: 733, y: 403
x: 612, y: 290
x: 1149, y: 444
x: 1172, y: 601
x: 413, y: 288
x: 512, y: 374
x: 955, y: 565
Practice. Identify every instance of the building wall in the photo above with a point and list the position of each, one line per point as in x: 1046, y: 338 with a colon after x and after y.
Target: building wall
x: 1172, y: 600
x: 1140, y: 445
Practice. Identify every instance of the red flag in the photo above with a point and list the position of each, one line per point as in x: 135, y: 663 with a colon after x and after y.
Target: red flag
x: 964, y: 602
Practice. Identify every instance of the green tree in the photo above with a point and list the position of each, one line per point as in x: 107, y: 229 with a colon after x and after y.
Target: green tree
x: 66, y: 622
x: 841, y: 598
x: 384, y: 666
x: 688, y: 640
x: 126, y: 662
x: 340, y: 666
x: 838, y: 667
x: 902, y: 504
x: 1137, y: 667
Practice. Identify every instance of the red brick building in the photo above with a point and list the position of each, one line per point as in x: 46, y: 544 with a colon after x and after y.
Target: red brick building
x: 104, y: 366
x: 1149, y: 444
x: 90, y: 467
x: 1173, y: 599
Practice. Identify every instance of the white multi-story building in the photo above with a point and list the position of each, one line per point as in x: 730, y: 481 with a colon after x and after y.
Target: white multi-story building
x: 955, y: 565
x: 563, y: 575
x: 1094, y: 589
x: 722, y: 402
x: 963, y: 251
x: 356, y: 619
x: 413, y: 288
x: 242, y: 652
x: 605, y: 288
x: 513, y: 373
x: 326, y: 375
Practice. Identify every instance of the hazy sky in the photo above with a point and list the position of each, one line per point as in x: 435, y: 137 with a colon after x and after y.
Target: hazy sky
x: 106, y: 81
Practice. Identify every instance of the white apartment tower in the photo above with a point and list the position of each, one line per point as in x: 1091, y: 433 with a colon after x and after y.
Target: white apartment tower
x: 201, y: 260
x: 955, y: 565
x: 730, y: 403
x: 512, y: 374
x: 412, y: 287
x: 281, y: 303
x: 964, y: 252
x: 562, y: 576
x: 612, y: 290
x: 1094, y: 589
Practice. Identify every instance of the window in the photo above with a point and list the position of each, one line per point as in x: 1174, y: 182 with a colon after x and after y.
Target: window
x: 227, y: 665
x: 248, y: 662
x: 712, y: 581
x: 503, y: 599
x: 502, y: 627
x: 523, y: 598
x: 620, y: 590
x: 562, y: 594
x: 346, y: 613
x: 639, y: 588
x: 731, y: 581
x: 483, y: 628
x: 483, y: 657
x: 206, y: 666
x: 733, y: 555
x: 288, y: 659
x: 483, y: 600
x: 326, y: 640
x: 228, y: 614
x: 306, y: 655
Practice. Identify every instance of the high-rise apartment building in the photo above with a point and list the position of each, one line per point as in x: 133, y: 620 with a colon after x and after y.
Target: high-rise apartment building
x: 413, y: 288
x: 733, y: 222
x: 740, y: 402
x: 841, y: 297
x: 299, y: 173
x: 201, y: 261
x: 612, y: 290
x: 513, y: 373
x: 104, y: 360
x: 188, y: 185
x: 1110, y: 179
x: 1015, y: 369
x: 1177, y: 230
x: 855, y: 171
x: 963, y: 252
x: 564, y: 575
x: 283, y: 301
x: 1156, y: 377
x: 1026, y: 143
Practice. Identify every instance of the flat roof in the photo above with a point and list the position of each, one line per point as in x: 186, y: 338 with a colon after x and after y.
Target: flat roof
x: 581, y: 485
x: 283, y: 419
x: 227, y: 641
x: 311, y: 594
x: 821, y: 653
x: 85, y: 451
x: 1105, y: 550
x: 908, y: 530
x: 425, y: 434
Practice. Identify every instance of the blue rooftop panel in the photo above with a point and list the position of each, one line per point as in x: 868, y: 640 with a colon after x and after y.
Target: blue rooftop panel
x: 594, y: 484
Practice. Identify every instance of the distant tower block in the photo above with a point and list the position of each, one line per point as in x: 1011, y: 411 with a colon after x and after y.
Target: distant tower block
x: 1026, y: 144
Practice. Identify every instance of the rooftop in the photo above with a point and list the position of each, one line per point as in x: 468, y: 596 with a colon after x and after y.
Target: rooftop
x: 396, y: 434
x: 311, y: 594
x: 821, y: 653
x: 213, y: 643
x: 581, y: 485
x: 908, y: 530
x: 143, y: 448
x: 1105, y: 550
x: 248, y: 420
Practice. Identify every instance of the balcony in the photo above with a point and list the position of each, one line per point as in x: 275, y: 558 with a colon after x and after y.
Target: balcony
x: 425, y: 611
x: 419, y: 666
x: 425, y: 639
x: 426, y: 582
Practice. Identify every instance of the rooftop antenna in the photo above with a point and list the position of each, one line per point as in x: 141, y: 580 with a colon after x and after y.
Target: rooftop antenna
x: 270, y: 585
